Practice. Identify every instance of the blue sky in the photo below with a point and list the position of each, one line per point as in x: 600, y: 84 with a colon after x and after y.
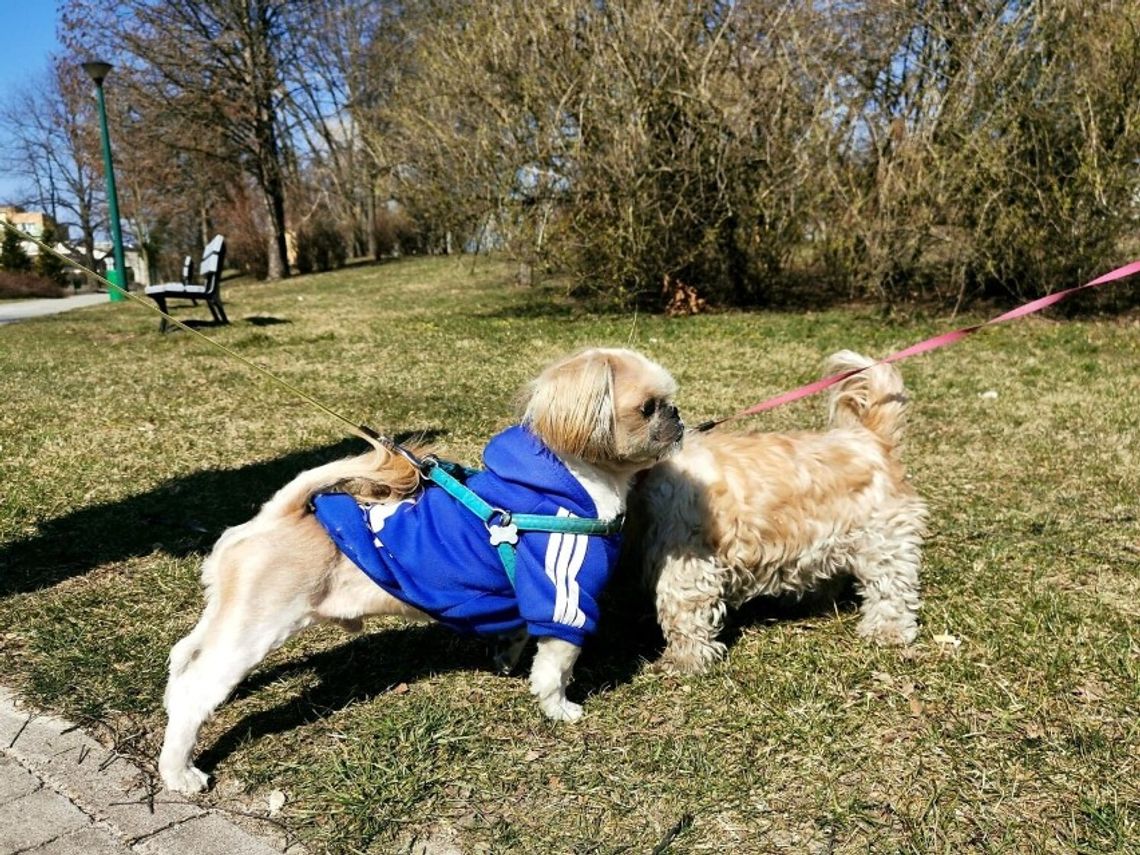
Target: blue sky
x: 27, y: 38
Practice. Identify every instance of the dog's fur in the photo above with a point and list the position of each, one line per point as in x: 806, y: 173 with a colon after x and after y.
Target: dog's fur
x: 606, y: 413
x: 735, y: 516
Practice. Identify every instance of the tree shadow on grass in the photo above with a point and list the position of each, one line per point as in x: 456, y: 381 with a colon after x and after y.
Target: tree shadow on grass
x: 181, y: 516
x: 792, y: 292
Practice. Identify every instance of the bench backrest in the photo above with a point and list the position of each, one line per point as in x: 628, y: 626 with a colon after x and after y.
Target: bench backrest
x: 213, y: 258
x: 187, y: 270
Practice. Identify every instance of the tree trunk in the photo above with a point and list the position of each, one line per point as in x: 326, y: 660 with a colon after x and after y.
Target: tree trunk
x: 370, y: 223
x: 204, y: 223
x: 278, y: 249
x: 273, y: 190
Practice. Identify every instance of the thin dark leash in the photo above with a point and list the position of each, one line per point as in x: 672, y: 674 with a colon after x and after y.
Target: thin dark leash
x: 503, y: 526
x: 368, y: 434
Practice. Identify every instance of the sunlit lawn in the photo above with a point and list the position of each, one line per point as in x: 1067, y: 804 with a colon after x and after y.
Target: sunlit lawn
x: 125, y: 454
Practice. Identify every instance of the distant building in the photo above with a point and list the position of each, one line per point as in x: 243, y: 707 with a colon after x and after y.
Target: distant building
x: 31, y: 223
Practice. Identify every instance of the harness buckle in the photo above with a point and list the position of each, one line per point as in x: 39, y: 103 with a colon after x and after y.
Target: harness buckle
x: 420, y: 465
x: 503, y: 531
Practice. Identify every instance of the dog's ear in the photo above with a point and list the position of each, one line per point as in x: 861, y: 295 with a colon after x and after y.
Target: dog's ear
x: 570, y: 406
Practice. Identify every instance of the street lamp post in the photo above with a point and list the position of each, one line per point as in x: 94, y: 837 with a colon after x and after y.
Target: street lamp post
x: 97, y: 71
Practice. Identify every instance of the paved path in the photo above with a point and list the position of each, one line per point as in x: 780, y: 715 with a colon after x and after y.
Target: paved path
x: 21, y: 310
x: 62, y: 793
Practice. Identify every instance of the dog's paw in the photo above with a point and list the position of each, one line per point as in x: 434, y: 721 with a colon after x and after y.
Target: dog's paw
x: 561, y: 709
x: 187, y: 780
x: 678, y: 660
x: 893, y: 634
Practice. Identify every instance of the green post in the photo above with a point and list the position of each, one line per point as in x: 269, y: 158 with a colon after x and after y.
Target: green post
x: 98, y: 71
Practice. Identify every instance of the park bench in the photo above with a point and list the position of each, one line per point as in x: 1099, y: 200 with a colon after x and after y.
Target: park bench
x: 208, y: 288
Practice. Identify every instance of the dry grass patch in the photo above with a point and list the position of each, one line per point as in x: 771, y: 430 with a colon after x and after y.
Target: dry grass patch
x: 1011, y: 726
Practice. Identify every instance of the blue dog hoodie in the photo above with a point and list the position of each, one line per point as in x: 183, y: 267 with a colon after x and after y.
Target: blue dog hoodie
x: 434, y: 554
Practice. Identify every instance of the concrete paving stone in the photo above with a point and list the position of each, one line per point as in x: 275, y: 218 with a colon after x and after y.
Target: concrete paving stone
x: 15, y: 780
x: 12, y: 718
x: 109, y: 787
x: 62, y: 793
x: 37, y: 818
x: 47, y: 738
x: 113, y: 789
x: 93, y: 840
x: 205, y: 835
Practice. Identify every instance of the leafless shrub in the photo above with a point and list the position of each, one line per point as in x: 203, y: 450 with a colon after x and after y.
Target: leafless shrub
x: 28, y: 286
x: 878, y: 149
x: 395, y: 233
x: 320, y: 246
x: 243, y: 222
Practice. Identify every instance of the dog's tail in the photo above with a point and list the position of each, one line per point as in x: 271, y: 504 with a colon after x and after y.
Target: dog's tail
x: 378, y: 475
x: 874, y: 398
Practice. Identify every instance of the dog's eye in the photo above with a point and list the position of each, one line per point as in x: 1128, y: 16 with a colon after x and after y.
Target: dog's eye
x: 649, y: 408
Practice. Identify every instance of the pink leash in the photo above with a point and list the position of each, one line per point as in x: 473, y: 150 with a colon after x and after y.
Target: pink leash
x: 924, y: 346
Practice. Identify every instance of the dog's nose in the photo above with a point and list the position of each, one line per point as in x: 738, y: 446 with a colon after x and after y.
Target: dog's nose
x: 675, y: 415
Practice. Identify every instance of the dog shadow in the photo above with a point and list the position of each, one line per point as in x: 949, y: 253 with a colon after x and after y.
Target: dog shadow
x: 357, y: 671
x: 180, y: 517
x: 835, y: 596
x: 371, y: 665
x: 630, y: 640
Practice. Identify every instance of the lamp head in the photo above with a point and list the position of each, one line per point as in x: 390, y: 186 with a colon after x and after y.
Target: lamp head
x: 97, y: 70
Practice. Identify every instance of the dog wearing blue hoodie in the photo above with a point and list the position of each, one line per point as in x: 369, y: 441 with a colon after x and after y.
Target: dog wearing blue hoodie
x: 366, y: 536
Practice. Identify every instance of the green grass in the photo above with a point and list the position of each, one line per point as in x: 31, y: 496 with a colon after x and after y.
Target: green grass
x: 125, y: 453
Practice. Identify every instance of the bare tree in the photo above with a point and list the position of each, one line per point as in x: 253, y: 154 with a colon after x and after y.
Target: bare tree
x: 207, y: 76
x: 55, y: 148
x: 332, y: 88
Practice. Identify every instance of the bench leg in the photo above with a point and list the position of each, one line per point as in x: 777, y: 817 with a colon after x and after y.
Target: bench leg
x: 218, y: 311
x: 161, y: 300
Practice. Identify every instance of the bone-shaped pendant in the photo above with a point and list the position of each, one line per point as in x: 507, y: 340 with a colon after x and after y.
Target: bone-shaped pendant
x: 504, y: 534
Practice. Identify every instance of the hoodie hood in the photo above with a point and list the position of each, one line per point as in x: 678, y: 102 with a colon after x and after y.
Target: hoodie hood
x: 518, y: 457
